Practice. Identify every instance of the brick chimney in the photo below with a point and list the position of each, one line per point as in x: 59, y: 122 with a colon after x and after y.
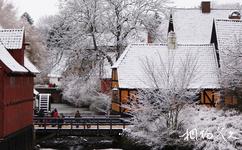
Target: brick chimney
x: 206, y: 6
x: 235, y: 15
x: 149, y: 37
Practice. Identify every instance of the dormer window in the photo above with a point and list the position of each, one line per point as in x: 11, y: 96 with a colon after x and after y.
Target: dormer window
x: 235, y: 15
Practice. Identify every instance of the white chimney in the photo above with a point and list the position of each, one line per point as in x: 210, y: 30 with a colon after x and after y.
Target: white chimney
x: 171, y: 40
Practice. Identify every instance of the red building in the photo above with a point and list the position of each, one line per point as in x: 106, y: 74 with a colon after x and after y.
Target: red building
x: 16, y: 92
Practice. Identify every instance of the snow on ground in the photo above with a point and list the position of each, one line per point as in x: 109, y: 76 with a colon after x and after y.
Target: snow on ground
x: 211, y: 128
x: 67, y: 109
x: 205, y: 128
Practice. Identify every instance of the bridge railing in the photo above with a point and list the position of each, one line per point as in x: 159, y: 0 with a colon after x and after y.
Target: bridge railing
x: 82, y: 122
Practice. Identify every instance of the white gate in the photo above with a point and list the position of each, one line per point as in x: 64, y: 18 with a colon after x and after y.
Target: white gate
x: 44, y: 102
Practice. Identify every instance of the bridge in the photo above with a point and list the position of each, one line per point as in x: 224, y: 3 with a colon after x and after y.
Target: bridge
x: 83, y: 126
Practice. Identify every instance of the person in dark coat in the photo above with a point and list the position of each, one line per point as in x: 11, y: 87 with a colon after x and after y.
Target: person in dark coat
x: 41, y: 115
x: 77, y: 116
x: 61, y: 120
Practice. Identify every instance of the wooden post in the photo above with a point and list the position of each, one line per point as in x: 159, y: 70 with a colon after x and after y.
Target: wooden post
x: 98, y: 124
x: 84, y: 124
x: 110, y: 124
x: 45, y: 123
x: 98, y: 127
x: 71, y: 125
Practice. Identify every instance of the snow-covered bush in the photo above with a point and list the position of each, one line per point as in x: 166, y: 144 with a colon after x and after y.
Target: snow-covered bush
x: 84, y: 92
x: 156, y: 120
x: 101, y: 104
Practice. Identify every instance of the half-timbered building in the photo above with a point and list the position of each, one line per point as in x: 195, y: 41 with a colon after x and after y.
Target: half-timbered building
x: 195, y: 26
x: 128, y: 72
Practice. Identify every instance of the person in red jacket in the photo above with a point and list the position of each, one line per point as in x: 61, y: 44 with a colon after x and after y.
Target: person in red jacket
x: 55, y: 116
x: 55, y: 113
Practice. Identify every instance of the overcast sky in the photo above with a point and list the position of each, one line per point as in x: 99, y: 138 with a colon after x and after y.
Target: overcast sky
x: 39, y: 8
x: 36, y: 8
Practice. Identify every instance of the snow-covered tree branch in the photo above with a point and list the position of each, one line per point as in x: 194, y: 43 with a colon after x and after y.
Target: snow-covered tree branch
x: 231, y: 68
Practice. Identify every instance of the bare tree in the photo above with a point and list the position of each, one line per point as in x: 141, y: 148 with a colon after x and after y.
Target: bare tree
x: 126, y: 18
x: 86, y: 31
x: 170, y: 89
x: 8, y: 17
x: 100, y: 26
x: 231, y: 68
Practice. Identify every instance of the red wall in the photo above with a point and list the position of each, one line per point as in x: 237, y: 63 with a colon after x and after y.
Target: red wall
x: 1, y: 101
x: 18, y: 55
x: 106, y: 85
x: 17, y: 98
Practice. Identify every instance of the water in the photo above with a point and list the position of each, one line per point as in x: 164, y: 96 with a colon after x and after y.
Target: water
x: 79, y: 143
x: 91, y: 143
x: 78, y: 148
x: 73, y: 148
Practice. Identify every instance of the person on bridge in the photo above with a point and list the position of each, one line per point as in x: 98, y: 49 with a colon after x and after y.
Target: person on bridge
x: 55, y: 113
x: 77, y: 116
x: 61, y: 120
x: 55, y: 116
x: 41, y: 114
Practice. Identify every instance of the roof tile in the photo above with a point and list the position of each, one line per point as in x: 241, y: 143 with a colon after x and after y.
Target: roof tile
x: 12, y: 38
x: 131, y: 72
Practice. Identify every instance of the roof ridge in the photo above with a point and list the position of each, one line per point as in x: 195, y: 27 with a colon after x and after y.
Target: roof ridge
x: 13, y: 29
x: 229, y: 20
x: 165, y: 44
x: 148, y: 44
x: 200, y: 8
x: 194, y: 44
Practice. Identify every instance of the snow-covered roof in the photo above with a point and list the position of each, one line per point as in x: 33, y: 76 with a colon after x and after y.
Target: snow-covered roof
x: 228, y: 31
x: 193, y: 26
x: 28, y: 64
x: 131, y: 72
x: 12, y: 38
x: 35, y: 92
x: 229, y: 35
x: 9, y: 61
